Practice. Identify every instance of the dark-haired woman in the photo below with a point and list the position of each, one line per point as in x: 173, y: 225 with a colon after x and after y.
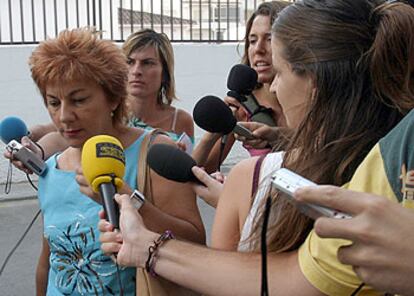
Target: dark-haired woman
x: 344, y: 80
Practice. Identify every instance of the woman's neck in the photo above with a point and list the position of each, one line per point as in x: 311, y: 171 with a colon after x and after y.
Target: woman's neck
x: 145, y: 109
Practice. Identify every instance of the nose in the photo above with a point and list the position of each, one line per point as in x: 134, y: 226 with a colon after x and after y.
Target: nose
x: 261, y: 45
x: 66, y: 113
x: 136, y: 69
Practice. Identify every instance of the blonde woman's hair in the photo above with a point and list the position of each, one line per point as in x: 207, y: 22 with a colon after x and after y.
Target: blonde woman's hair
x: 149, y: 38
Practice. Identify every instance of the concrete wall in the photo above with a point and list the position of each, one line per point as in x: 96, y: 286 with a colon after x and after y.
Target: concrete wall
x: 201, y: 69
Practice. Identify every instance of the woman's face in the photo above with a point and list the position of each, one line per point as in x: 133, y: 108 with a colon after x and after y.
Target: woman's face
x: 294, y: 92
x: 145, y: 73
x: 79, y: 110
x: 260, y: 51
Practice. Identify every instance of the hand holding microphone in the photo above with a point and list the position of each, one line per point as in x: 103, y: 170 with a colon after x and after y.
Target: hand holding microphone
x: 13, y: 132
x: 103, y: 165
x: 241, y: 82
x: 213, y: 115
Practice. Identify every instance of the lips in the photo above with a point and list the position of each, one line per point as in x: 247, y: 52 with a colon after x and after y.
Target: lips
x: 70, y: 133
x: 136, y: 82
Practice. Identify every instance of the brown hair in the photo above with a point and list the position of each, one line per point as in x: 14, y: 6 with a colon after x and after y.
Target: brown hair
x: 270, y: 9
x: 79, y: 54
x: 360, y: 55
x: 149, y: 38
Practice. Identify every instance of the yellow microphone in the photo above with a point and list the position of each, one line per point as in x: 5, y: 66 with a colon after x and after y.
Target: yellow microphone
x: 103, y: 165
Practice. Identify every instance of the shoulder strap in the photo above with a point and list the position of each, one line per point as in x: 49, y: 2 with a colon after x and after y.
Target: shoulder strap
x: 143, y: 176
x: 174, y: 122
x: 256, y: 174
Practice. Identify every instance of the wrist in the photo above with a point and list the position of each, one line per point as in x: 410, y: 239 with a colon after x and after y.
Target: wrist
x: 147, y: 238
x: 153, y: 251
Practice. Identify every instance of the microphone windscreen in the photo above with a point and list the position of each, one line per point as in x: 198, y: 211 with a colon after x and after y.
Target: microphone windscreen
x: 103, y: 156
x: 171, y: 163
x: 213, y: 115
x: 12, y: 128
x: 242, y: 79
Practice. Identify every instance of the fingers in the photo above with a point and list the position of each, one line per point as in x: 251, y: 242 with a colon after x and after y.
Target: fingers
x: 124, y: 202
x: 201, y: 175
x: 110, y: 248
x: 335, y: 228
x: 102, y: 214
x: 103, y: 225
x: 344, y: 200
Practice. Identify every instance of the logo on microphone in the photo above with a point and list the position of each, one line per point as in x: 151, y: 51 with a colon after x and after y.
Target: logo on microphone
x: 110, y: 150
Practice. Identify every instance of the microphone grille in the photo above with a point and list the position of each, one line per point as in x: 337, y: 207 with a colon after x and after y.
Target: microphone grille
x: 213, y: 115
x: 171, y: 162
x: 242, y: 79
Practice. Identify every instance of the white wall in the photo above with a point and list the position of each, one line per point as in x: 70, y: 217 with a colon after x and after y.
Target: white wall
x: 201, y: 69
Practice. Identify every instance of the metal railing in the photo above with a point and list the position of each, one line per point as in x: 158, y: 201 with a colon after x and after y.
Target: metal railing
x: 31, y: 21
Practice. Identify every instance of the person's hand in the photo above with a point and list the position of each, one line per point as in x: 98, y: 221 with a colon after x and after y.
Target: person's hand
x: 29, y: 144
x: 131, y: 243
x: 85, y: 188
x: 213, y: 185
x: 181, y: 146
x: 238, y: 110
x: 381, y: 232
x: 265, y: 136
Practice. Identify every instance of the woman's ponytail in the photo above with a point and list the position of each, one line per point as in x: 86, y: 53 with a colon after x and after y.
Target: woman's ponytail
x: 392, y: 55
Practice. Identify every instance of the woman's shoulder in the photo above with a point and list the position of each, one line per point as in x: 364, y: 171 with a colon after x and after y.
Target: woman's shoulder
x: 184, y: 122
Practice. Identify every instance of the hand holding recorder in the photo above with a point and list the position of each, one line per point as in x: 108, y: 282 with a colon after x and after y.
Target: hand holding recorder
x: 288, y: 182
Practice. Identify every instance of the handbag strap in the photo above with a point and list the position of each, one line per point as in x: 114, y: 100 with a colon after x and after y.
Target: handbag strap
x: 143, y: 174
x: 256, y: 173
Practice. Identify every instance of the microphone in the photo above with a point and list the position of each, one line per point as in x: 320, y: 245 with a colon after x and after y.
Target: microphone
x: 213, y: 115
x: 103, y: 165
x: 241, y: 82
x: 171, y: 163
x: 12, y: 129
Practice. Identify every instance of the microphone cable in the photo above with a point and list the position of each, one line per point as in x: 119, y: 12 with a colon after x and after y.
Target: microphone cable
x: 263, y: 246
x: 223, y: 143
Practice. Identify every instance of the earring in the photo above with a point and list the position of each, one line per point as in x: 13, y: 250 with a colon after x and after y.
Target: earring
x: 162, y: 95
x: 112, y: 114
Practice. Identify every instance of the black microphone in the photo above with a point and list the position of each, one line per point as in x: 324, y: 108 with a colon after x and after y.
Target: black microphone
x: 241, y: 82
x: 171, y: 163
x: 213, y: 115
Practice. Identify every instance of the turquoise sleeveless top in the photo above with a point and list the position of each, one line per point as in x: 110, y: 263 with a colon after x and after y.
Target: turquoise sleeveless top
x: 77, y: 264
x: 136, y: 122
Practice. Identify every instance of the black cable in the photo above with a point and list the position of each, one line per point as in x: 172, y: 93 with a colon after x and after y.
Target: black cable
x: 118, y: 275
x: 31, y: 182
x: 223, y: 142
x: 19, y: 242
x: 357, y: 289
x: 8, y: 184
x: 263, y: 246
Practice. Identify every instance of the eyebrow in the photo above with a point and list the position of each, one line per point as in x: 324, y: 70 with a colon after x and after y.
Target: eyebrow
x: 73, y: 92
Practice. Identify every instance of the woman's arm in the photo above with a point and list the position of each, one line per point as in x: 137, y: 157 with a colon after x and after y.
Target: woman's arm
x: 40, y: 130
x: 233, y: 206
x: 174, y: 206
x: 184, y: 123
x: 206, y: 153
x: 42, y: 270
x: 199, y: 268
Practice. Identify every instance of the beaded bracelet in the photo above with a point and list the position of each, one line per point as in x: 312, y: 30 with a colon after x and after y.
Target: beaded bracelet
x: 153, y: 250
